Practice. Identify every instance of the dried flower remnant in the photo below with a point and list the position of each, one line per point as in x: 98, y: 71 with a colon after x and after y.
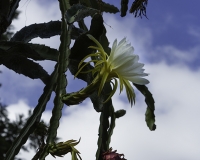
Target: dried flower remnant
x: 63, y: 148
x: 112, y: 155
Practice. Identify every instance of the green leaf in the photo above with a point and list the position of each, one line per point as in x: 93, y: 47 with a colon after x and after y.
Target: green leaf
x: 150, y: 117
x: 35, y: 118
x: 61, y: 81
x: 105, y: 128
x: 106, y: 7
x: 29, y: 50
x: 99, y: 141
x: 100, y: 5
x: 61, y: 84
x: 80, y: 48
x: 4, y: 9
x: 96, y: 27
x: 19, y: 49
x: 43, y: 30
x: 94, y: 4
x: 45, y: 52
x: 4, y: 12
x: 78, y: 12
x: 112, y: 124
x: 105, y: 131
x: 120, y: 113
x: 124, y: 7
x: 62, y: 65
x: 23, y: 65
x: 104, y: 42
x: 87, y: 3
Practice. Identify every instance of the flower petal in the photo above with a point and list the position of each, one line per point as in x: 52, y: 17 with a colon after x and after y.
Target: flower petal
x: 123, y: 63
x: 124, y: 51
x: 129, y: 91
x: 113, y: 48
x: 118, y: 48
x: 138, y: 80
x: 129, y: 68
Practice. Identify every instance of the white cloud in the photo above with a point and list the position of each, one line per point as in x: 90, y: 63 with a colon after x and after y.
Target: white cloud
x: 35, y: 12
x: 172, y: 54
x: 19, y: 108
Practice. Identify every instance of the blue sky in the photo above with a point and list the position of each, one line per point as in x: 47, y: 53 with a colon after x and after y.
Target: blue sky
x: 168, y: 43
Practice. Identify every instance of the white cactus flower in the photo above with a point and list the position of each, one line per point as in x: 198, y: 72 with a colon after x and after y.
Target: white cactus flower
x: 121, y: 64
